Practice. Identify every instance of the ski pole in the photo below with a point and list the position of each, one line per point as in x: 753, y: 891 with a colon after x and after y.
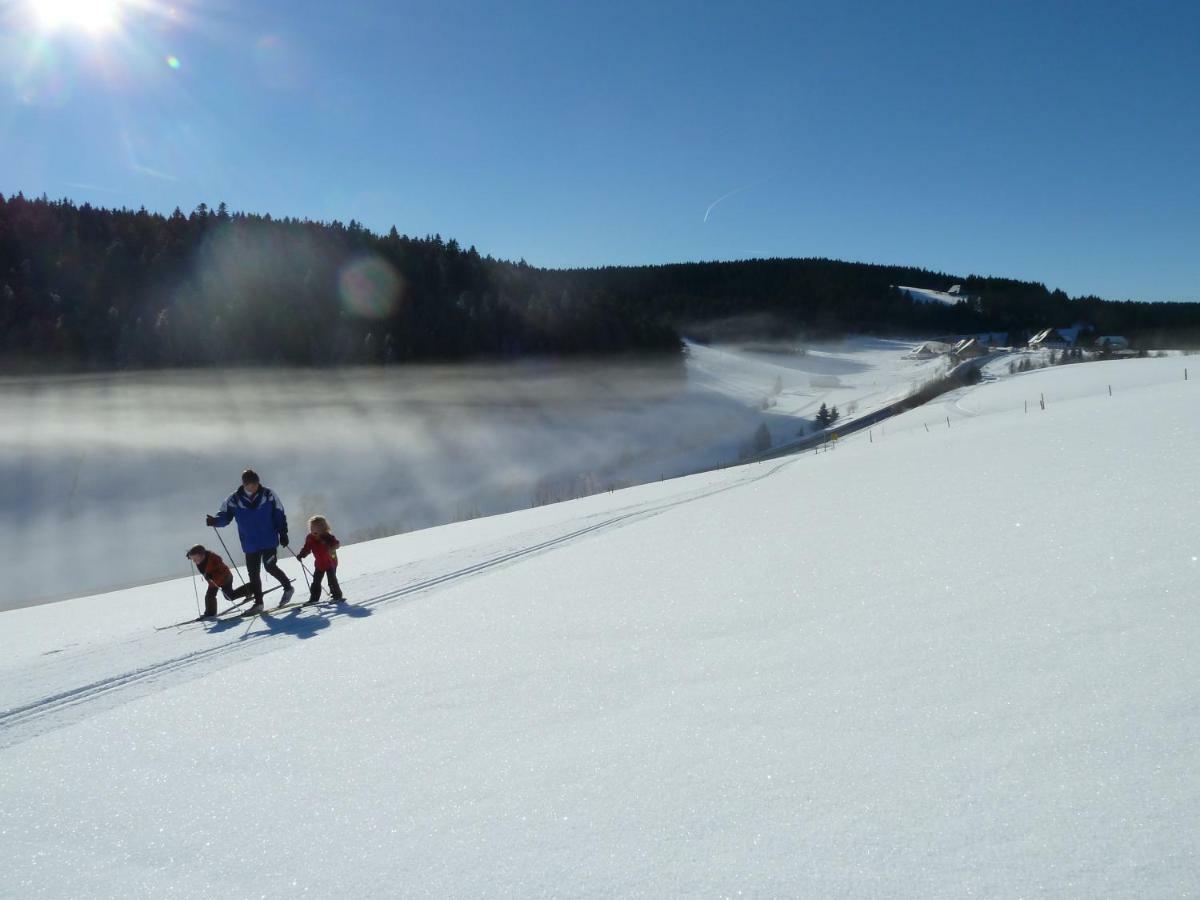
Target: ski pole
x: 229, y: 556
x: 307, y: 580
x: 195, y: 590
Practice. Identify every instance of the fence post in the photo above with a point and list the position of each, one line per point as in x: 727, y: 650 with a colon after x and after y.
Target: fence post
x: 1110, y: 390
x: 927, y: 428
x: 947, y: 421
x: 1026, y: 406
x: 1043, y: 401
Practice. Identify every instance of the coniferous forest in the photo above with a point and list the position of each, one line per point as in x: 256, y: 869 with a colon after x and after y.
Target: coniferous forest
x: 89, y: 288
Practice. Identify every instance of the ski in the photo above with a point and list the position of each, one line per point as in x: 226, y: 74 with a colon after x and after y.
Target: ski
x: 227, y: 613
x: 223, y: 616
x: 194, y: 621
x: 269, y: 610
x: 325, y: 602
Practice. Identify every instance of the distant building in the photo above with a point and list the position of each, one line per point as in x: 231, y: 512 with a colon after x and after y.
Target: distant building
x: 969, y: 348
x: 990, y: 338
x: 929, y: 349
x: 1112, y: 342
x: 1049, y: 339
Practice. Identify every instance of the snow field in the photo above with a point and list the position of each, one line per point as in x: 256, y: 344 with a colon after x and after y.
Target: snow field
x: 938, y: 665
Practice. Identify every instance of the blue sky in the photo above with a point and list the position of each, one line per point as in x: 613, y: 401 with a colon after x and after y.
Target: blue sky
x: 1052, y: 141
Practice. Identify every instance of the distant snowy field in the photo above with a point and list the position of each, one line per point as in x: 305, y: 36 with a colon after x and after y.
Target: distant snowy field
x: 106, y: 479
x: 944, y: 663
x: 927, y: 295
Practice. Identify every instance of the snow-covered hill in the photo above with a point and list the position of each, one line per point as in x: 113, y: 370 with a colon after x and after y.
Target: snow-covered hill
x: 928, y: 295
x: 930, y: 663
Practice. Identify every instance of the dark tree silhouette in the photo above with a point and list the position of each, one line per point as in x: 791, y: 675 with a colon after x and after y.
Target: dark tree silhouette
x: 88, y: 288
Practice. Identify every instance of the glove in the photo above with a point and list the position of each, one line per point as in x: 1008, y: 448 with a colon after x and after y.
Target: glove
x: 283, y: 539
x: 210, y: 520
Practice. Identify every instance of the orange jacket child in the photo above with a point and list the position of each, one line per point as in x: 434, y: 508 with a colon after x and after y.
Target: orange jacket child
x: 218, y: 576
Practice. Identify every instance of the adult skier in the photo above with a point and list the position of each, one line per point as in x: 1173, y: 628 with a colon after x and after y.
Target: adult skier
x: 262, y: 528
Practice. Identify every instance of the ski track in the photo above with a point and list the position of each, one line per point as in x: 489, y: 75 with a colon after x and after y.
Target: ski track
x: 28, y: 720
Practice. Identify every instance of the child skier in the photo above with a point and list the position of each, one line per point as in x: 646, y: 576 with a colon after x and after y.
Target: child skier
x: 323, y: 546
x: 218, y: 576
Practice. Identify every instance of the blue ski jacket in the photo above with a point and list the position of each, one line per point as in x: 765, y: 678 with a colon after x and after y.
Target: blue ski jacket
x: 261, y: 521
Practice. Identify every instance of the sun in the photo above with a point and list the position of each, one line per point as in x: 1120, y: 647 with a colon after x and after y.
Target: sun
x: 92, y: 16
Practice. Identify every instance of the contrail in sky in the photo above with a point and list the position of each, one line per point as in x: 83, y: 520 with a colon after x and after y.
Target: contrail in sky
x: 737, y: 190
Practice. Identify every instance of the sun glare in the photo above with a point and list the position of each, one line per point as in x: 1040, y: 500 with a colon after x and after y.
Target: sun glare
x: 93, y: 16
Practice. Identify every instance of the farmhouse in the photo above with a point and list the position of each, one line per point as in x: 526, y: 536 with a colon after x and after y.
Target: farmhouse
x: 969, y: 348
x: 1048, y: 339
x: 929, y: 349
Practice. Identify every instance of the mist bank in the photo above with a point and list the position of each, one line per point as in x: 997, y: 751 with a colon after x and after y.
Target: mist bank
x: 107, y: 478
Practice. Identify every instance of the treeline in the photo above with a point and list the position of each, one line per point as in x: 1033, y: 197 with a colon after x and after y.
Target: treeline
x: 824, y: 296
x: 82, y: 287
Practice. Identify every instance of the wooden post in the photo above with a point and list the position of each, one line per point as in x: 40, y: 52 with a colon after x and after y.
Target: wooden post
x: 947, y: 421
x: 927, y: 428
x: 1043, y: 401
x: 1110, y: 390
x: 871, y: 436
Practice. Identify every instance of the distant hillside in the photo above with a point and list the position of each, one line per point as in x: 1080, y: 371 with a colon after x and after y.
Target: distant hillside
x: 828, y: 296
x: 83, y: 287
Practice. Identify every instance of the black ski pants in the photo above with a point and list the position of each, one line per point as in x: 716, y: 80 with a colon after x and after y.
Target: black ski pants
x: 268, y: 560
x: 314, y: 593
x: 210, y: 596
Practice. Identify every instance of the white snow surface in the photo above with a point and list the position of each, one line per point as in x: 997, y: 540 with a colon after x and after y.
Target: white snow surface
x: 928, y: 295
x: 944, y: 663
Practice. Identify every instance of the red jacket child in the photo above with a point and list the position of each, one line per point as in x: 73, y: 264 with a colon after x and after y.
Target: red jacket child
x: 323, y: 546
x: 324, y: 549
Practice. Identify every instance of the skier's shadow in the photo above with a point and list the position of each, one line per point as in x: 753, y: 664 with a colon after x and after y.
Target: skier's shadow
x: 298, y: 621
x: 289, y: 621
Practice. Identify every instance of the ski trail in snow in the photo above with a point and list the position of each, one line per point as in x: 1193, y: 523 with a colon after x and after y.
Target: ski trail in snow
x: 27, y: 720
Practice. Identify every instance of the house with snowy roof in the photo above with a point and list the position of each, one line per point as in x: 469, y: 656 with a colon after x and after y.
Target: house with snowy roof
x: 969, y: 348
x: 929, y: 350
x: 1050, y: 339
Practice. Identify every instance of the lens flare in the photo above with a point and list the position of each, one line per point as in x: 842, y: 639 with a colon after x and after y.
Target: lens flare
x: 369, y: 287
x: 173, y: 62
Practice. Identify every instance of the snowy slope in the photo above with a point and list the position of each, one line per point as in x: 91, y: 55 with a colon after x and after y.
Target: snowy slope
x: 927, y: 295
x: 930, y: 664
x: 859, y: 375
